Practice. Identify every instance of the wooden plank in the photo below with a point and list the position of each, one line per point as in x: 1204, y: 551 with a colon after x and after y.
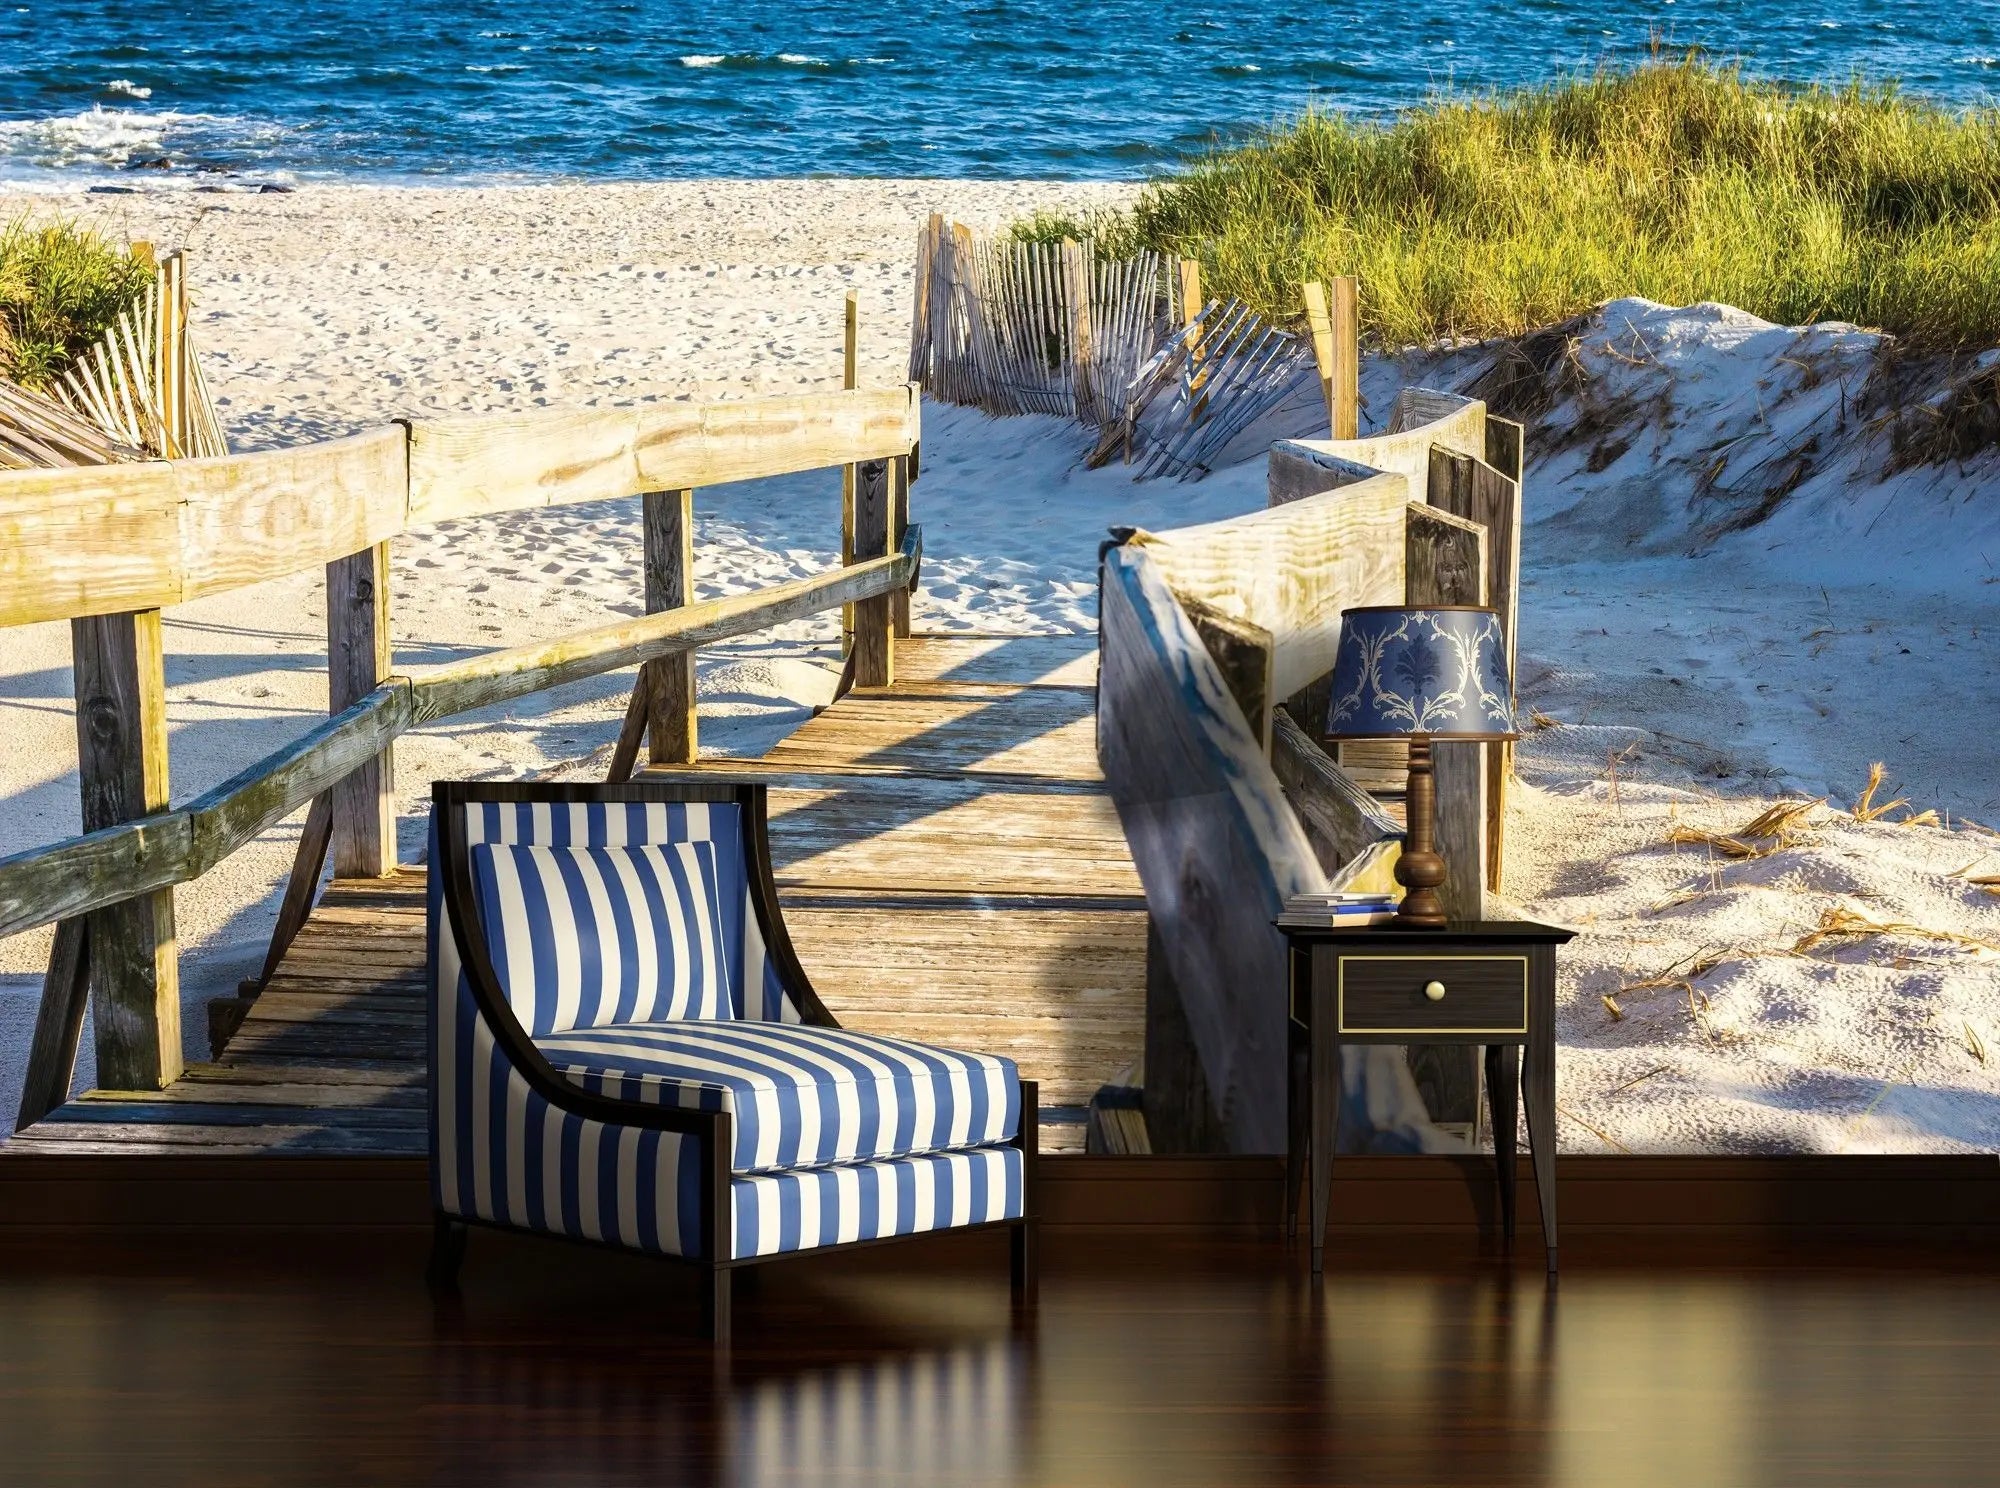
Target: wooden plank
x: 302, y: 884
x: 1302, y: 467
x: 1213, y: 841
x: 1014, y: 660
x: 358, y: 660
x: 1355, y: 840
x: 58, y: 1025
x: 669, y: 571
x: 1043, y: 732
x: 508, y: 462
x: 1076, y: 267
x: 1470, y: 488
x: 1319, y: 325
x: 1293, y: 568
x: 121, y: 728
x: 1344, y: 386
x: 901, y: 474
x: 874, y: 651
x: 1447, y: 565
x: 1241, y: 651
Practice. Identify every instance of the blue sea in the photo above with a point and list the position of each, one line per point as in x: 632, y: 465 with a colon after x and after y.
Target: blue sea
x: 203, y: 92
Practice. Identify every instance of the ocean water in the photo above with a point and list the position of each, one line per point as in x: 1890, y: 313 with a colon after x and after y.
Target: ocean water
x: 158, y: 92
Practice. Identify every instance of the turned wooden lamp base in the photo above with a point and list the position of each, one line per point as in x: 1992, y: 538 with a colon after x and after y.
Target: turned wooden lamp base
x: 1420, y: 870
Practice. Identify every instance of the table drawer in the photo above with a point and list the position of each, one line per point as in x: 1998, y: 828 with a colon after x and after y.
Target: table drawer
x: 1387, y: 994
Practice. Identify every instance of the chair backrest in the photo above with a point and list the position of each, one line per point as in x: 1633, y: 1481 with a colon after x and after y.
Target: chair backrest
x: 613, y: 911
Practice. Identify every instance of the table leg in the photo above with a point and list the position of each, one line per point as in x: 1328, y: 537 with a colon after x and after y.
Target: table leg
x: 1503, y: 1088
x: 1538, y: 1091
x: 1298, y: 1105
x: 1325, y: 1083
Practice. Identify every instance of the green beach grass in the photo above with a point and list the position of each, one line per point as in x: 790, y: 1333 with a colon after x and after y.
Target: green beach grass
x: 61, y: 286
x: 1679, y: 180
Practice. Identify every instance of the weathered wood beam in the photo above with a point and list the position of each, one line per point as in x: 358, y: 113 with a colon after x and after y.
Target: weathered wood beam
x: 669, y: 685
x: 1346, y: 383
x: 121, y: 735
x: 111, y: 865
x: 902, y: 473
x: 473, y: 467
x: 1216, y: 846
x: 358, y: 660
x: 1471, y: 488
x: 874, y: 630
x: 1241, y: 652
x: 1446, y: 562
x: 58, y: 1024
x: 115, y: 539
x: 1353, y: 837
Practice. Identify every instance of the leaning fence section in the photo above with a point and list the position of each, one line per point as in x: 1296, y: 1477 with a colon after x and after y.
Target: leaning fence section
x: 1127, y: 347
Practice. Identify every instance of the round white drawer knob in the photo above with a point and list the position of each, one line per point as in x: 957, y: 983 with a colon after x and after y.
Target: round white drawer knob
x: 1434, y: 991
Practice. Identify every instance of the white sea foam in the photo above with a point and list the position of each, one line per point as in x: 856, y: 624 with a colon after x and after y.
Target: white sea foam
x: 112, y: 138
x: 801, y: 59
x: 703, y: 59
x: 127, y: 88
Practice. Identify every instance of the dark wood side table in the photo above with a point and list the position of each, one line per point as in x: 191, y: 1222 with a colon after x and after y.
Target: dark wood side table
x: 1490, y: 982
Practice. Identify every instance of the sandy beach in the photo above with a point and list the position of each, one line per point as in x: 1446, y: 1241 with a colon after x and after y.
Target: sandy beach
x: 1671, y: 692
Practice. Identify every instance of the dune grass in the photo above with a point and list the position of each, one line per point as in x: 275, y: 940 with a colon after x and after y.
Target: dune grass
x: 1678, y: 180
x: 61, y: 285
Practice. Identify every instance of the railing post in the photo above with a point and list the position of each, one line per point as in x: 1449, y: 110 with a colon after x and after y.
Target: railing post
x: 1346, y: 357
x: 669, y: 566
x: 357, y: 661
x: 874, y: 626
x: 850, y: 379
x: 121, y: 736
x: 899, y: 525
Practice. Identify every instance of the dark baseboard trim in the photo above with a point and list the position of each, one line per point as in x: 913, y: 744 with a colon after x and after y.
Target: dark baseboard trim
x: 1782, y: 1202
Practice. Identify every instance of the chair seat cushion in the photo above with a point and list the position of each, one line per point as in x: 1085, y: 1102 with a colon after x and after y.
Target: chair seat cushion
x: 800, y: 1096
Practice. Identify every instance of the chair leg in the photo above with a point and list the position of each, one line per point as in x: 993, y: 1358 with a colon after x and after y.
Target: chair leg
x: 447, y: 1253
x: 715, y: 1293
x: 1026, y: 1264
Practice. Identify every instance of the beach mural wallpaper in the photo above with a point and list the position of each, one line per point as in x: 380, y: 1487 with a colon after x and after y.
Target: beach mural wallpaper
x: 1732, y: 271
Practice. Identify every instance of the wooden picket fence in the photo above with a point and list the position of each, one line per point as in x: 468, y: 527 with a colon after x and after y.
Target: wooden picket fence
x: 1125, y: 346
x: 142, y: 383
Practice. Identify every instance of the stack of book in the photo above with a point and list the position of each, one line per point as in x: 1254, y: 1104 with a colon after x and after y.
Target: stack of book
x: 1338, y: 911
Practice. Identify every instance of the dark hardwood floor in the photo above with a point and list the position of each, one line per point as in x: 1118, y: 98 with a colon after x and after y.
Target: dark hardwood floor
x: 310, y: 1361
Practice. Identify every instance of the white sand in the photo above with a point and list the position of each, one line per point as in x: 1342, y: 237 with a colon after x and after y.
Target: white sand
x: 1784, y: 658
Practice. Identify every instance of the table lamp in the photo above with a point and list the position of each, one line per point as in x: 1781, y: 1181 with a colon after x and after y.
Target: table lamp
x: 1438, y: 672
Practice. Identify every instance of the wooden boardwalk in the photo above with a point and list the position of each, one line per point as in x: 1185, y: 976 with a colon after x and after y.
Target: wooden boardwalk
x: 951, y: 871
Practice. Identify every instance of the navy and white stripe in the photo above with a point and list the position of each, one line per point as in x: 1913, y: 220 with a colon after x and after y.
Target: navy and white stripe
x: 585, y: 936
x: 859, y: 1106
x: 801, y: 1096
x: 755, y: 986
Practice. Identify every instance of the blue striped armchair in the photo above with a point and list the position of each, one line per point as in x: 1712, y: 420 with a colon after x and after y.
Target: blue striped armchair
x: 624, y: 1049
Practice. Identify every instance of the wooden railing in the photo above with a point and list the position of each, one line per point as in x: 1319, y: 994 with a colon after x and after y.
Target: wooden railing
x: 107, y: 547
x: 1216, y: 643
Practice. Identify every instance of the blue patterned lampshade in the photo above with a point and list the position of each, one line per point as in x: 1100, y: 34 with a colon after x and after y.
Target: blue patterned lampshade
x: 1441, y: 672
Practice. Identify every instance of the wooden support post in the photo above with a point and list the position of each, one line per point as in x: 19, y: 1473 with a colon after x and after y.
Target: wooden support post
x: 1346, y: 401
x: 357, y: 660
x: 1192, y: 305
x: 1076, y: 266
x: 58, y: 1025
x: 1319, y: 326
x: 874, y: 630
x: 849, y: 379
x: 170, y: 357
x: 1445, y: 563
x: 1474, y: 490
x: 901, y: 473
x: 121, y: 736
x: 670, y: 695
